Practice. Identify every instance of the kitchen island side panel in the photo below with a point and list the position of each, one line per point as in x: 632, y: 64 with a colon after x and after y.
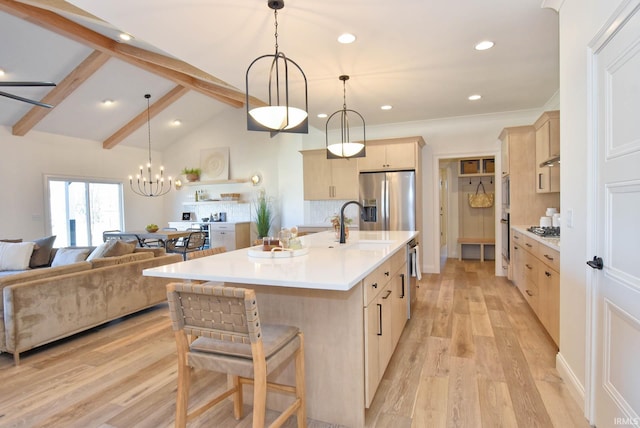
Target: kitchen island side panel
x: 333, y: 327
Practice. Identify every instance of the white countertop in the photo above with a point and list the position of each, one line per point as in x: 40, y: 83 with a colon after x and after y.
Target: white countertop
x: 328, y: 265
x: 551, y: 242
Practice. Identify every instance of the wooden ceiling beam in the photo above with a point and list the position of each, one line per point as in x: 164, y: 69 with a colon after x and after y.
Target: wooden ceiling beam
x: 141, y: 119
x: 168, y: 68
x: 62, y: 90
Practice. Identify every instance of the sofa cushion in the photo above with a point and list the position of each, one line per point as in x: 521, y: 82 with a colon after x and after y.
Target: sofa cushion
x: 11, y: 240
x: 41, y: 255
x: 127, y: 258
x: 66, y: 256
x: 15, y: 255
x: 120, y: 248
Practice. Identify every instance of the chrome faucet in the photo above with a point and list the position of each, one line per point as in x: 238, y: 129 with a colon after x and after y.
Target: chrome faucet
x: 343, y: 238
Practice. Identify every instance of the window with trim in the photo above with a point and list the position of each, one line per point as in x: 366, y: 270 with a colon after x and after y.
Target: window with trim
x: 80, y: 210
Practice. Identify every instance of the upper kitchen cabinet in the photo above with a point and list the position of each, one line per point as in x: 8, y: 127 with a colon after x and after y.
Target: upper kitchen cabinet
x: 526, y: 206
x: 391, y: 154
x: 548, y: 152
x: 328, y: 178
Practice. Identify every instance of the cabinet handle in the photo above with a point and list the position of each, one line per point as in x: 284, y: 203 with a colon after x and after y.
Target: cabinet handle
x: 540, y: 181
x: 387, y: 296
x: 547, y: 273
x: 374, y: 285
x: 402, y: 278
x: 515, y: 248
x: 548, y: 258
x: 516, y: 237
x: 528, y: 266
x: 379, y: 319
x: 527, y: 291
x: 386, y: 273
x: 528, y: 245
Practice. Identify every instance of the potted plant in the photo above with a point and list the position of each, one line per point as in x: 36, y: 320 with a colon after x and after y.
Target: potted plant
x: 264, y: 216
x: 192, y: 174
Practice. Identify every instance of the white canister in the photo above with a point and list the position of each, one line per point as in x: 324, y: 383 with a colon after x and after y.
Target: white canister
x: 551, y: 211
x: 555, y: 220
x: 545, y: 221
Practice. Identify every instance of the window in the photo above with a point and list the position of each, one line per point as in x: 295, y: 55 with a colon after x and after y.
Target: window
x: 81, y: 209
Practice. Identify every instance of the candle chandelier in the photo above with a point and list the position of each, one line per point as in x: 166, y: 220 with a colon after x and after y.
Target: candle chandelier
x: 280, y: 115
x: 148, y: 185
x: 345, y: 147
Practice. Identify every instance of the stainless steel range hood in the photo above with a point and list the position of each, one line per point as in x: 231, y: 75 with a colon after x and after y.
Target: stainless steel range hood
x: 552, y: 161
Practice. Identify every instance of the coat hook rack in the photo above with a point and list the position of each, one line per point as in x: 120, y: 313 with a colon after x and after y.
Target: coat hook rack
x: 491, y: 180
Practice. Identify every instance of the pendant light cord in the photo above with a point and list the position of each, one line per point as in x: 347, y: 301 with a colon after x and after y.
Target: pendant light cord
x: 148, y: 96
x: 275, y: 18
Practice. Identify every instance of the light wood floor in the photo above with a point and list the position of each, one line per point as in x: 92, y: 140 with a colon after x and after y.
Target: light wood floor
x: 473, y: 355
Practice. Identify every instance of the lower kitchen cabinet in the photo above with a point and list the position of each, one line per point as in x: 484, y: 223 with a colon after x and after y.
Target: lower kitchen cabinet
x: 385, y: 315
x: 536, y: 274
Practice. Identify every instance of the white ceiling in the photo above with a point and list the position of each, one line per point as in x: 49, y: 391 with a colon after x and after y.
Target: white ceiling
x: 417, y: 55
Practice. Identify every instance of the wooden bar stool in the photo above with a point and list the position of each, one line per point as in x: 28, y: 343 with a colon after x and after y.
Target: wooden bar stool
x: 230, y: 339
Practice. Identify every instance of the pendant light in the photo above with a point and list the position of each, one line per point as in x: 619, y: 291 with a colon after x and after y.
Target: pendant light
x: 280, y: 115
x: 148, y: 185
x: 346, y: 147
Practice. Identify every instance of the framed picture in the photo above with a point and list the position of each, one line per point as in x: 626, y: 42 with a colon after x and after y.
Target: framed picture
x: 186, y: 216
x: 214, y: 163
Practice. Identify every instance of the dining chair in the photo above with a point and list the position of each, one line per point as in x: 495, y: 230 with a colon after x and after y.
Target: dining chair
x: 193, y: 242
x: 230, y: 339
x: 206, y: 252
x: 105, y: 237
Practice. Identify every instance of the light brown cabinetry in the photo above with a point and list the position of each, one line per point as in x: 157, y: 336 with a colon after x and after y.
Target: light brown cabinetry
x: 382, y: 156
x: 535, y: 273
x: 547, y: 147
x: 526, y: 206
x: 385, y: 315
x: 328, y: 178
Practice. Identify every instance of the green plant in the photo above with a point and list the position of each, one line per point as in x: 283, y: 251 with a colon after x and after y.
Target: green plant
x: 195, y: 171
x: 264, y: 216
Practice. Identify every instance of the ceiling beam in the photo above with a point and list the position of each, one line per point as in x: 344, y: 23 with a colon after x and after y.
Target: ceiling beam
x: 141, y: 119
x: 163, y: 66
x: 63, y: 89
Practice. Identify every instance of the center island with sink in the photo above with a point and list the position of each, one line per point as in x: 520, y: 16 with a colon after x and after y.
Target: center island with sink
x: 350, y: 300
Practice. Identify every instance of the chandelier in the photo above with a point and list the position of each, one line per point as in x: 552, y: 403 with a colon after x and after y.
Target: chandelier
x: 345, y: 147
x: 280, y: 115
x: 148, y: 185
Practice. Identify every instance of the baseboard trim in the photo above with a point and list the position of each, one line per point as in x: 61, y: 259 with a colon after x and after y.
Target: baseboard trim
x: 576, y: 389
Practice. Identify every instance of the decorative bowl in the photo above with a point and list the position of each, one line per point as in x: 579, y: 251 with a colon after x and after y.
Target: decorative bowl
x: 151, y: 229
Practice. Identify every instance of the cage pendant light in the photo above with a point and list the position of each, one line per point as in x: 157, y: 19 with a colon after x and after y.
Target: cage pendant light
x: 346, y: 147
x: 280, y: 114
x: 148, y: 185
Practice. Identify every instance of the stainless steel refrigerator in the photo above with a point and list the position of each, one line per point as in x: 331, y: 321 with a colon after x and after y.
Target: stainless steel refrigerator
x: 389, y: 200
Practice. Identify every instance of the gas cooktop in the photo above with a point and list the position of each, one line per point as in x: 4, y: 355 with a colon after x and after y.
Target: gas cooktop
x: 547, y: 232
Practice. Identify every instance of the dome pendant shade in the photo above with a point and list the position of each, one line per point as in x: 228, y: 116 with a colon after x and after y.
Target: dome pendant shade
x: 284, y: 111
x: 345, y: 147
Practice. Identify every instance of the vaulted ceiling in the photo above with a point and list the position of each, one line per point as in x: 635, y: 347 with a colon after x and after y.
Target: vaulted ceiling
x: 416, y: 55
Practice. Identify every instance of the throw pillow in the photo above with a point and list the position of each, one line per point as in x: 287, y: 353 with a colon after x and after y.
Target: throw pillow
x: 120, y: 248
x: 101, y: 249
x: 15, y: 255
x: 67, y: 256
x: 42, y: 251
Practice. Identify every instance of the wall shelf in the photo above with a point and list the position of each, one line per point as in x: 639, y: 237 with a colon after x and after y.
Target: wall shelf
x: 476, y: 167
x: 208, y: 182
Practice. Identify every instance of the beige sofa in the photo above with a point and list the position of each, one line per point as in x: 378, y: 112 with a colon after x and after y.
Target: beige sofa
x: 42, y: 305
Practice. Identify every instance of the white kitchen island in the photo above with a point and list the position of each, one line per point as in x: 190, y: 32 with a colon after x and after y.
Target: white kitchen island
x: 325, y: 293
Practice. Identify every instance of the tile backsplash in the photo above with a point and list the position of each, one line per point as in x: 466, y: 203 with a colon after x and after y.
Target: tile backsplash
x: 320, y: 212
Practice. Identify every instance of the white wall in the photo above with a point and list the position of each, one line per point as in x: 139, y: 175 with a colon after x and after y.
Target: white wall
x: 580, y: 20
x: 25, y: 160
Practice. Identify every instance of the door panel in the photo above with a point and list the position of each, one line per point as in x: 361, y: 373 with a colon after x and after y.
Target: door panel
x: 615, y: 89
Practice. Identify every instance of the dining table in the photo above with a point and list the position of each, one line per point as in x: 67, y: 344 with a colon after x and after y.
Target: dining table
x: 144, y: 238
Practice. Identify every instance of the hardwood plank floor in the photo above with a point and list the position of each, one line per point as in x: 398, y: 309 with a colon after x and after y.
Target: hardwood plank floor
x: 472, y: 355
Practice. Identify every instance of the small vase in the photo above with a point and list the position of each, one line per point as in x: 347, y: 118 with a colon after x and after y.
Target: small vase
x: 337, y: 232
x: 193, y: 177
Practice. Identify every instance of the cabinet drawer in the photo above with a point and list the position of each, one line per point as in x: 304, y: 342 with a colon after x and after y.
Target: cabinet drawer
x: 531, y: 245
x: 223, y: 226
x: 531, y: 267
x: 549, y: 257
x: 375, y: 281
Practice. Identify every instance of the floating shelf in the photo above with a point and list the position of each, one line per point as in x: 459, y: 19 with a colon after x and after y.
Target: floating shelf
x: 210, y: 202
x: 208, y: 182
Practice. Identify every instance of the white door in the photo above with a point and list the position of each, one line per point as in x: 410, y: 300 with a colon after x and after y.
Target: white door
x: 616, y: 129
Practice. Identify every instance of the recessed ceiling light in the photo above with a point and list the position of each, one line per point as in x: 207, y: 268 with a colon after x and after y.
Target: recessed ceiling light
x: 386, y: 107
x: 484, y: 45
x: 475, y: 97
x: 1, y: 72
x: 107, y: 102
x: 126, y: 37
x: 346, y: 38
x: 322, y: 115
x: 176, y: 122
